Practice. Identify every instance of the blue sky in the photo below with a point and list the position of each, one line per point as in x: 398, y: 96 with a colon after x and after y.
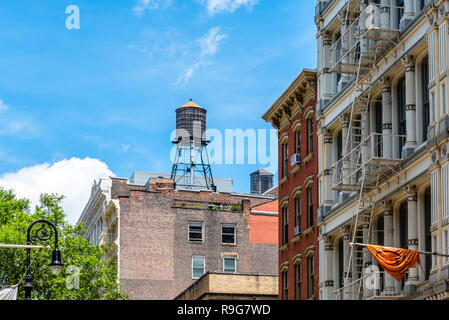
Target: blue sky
x: 109, y: 90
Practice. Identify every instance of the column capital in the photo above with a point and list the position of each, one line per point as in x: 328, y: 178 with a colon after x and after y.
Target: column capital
x: 411, y: 192
x: 346, y: 230
x: 409, y: 62
x: 386, y: 84
x: 388, y: 207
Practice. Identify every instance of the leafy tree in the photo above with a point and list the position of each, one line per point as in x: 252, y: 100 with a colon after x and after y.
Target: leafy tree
x: 97, y: 276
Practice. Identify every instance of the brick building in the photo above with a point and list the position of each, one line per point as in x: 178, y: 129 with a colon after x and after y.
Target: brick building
x: 225, y: 286
x: 293, y: 115
x: 165, y: 239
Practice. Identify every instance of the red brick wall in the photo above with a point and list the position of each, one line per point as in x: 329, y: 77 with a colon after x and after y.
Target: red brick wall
x: 285, y: 190
x: 263, y: 229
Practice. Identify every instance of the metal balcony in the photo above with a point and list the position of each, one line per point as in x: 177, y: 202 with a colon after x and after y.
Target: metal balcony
x: 374, y: 157
x: 364, y: 42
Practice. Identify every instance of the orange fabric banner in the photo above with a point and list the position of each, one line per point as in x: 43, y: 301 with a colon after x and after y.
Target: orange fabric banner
x: 395, y: 261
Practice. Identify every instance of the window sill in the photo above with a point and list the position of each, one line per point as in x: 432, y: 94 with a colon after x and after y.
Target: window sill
x: 296, y: 168
x: 308, y: 231
x: 229, y: 244
x: 283, y: 181
x: 296, y: 239
x: 283, y: 248
x: 308, y: 158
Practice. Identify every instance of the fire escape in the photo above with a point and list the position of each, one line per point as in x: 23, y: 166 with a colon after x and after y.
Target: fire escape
x: 367, y: 158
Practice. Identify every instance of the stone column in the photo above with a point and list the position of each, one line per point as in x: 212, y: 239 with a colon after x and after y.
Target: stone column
x: 386, y: 119
x: 417, y: 7
x: 409, y: 13
x: 388, y: 242
x: 346, y: 147
x: 326, y: 84
x: 347, y: 278
x: 367, y: 262
x: 345, y: 43
x: 328, y: 268
x: 412, y: 221
x: 385, y: 14
x: 328, y: 154
x: 410, y: 101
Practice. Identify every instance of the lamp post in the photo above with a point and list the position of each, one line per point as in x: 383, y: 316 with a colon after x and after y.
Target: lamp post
x: 46, y: 231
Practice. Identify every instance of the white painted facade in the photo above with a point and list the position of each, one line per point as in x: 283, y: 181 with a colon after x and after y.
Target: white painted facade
x: 407, y: 115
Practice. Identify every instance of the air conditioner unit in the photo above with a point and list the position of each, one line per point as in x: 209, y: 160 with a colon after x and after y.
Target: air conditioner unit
x: 297, y: 230
x: 295, y: 159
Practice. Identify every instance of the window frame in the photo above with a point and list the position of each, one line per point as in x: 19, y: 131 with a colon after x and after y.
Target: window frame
x: 310, y: 135
x: 310, y: 276
x: 310, y: 207
x: 285, y: 285
x: 229, y: 225
x: 298, y: 283
x: 285, y: 226
x: 298, y: 212
x: 229, y: 257
x: 193, y: 267
x: 285, y: 159
x: 189, y: 231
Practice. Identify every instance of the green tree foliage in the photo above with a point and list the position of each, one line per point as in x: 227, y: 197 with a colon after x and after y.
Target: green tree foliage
x: 97, y: 276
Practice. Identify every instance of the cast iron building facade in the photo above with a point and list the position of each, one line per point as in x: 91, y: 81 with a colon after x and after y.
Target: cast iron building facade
x: 383, y: 123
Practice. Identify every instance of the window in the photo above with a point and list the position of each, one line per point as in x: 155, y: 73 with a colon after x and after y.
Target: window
x: 196, y: 231
x: 285, y: 285
x: 442, y: 33
x: 309, y: 207
x: 285, y: 160
x: 403, y: 222
x: 435, y: 249
x: 310, y: 136
x: 378, y: 129
x: 432, y: 55
x: 298, y: 142
x: 311, y: 277
x: 428, y: 232
x: 229, y: 264
x: 402, y: 119
x: 434, y: 186
x: 426, y: 97
x: 446, y: 246
x: 228, y: 234
x: 298, y: 282
x: 445, y: 187
x: 443, y: 98
x: 340, y: 263
x: 198, y: 265
x: 400, y: 11
x: 298, y: 213
x: 285, y: 226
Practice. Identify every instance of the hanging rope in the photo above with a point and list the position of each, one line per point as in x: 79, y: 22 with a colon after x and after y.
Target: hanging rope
x: 26, y: 271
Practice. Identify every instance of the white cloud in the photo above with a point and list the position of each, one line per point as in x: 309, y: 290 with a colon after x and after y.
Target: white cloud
x: 214, y: 7
x: 72, y: 178
x: 209, y: 44
x: 3, y: 107
x: 143, y: 5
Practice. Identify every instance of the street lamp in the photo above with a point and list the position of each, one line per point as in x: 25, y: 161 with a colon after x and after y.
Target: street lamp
x: 46, y: 231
